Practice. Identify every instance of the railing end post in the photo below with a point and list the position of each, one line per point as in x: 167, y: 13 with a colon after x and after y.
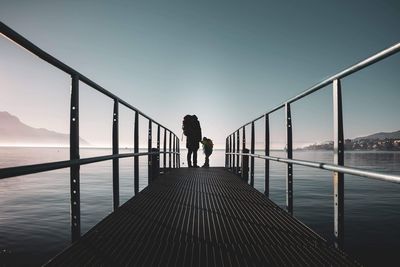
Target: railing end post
x: 245, y: 165
x: 154, y: 164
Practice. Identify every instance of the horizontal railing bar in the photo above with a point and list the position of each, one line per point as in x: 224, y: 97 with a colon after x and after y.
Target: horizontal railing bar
x: 50, y: 166
x: 344, y: 73
x: 250, y: 122
x: 261, y: 116
x: 276, y: 108
x: 100, y: 89
x: 329, y: 167
x: 32, y: 48
x: 111, y: 95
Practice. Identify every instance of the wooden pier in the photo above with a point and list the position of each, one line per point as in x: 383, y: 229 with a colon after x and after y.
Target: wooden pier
x: 200, y: 217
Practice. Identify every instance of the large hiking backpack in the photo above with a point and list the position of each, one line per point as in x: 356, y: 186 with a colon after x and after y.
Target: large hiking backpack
x: 187, y: 125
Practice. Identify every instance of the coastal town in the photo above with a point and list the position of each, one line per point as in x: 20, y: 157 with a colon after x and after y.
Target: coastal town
x: 392, y: 144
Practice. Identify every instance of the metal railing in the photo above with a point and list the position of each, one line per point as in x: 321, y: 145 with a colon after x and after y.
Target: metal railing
x: 233, y: 151
x: 172, y: 150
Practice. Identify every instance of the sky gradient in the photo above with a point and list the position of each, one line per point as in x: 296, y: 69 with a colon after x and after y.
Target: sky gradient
x: 225, y: 61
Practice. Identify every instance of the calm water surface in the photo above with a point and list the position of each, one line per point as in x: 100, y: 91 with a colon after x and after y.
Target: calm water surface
x: 34, y: 209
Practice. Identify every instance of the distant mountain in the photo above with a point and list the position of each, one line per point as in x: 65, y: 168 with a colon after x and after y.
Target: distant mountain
x: 381, y: 136
x: 378, y: 141
x: 15, y: 132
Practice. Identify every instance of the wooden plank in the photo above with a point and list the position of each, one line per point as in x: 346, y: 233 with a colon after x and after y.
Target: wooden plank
x: 200, y: 217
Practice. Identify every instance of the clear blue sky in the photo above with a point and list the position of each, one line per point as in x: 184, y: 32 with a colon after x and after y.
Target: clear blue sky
x: 225, y: 61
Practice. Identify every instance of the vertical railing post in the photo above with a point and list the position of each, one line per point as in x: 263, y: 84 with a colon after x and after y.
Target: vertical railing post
x: 230, y: 151
x: 149, y: 147
x: 338, y: 178
x: 115, y: 150
x: 174, y: 150
x: 244, y: 176
x: 266, y: 182
x: 233, y: 151
x: 165, y: 151
x: 170, y: 150
x: 155, y: 163
x: 245, y: 165
x: 74, y: 155
x: 289, y: 152
x: 158, y: 146
x: 237, y: 150
x: 179, y: 152
x: 136, y: 150
x: 252, y: 148
x: 158, y: 136
x: 226, y: 151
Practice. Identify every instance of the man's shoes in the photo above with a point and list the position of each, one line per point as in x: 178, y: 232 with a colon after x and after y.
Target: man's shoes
x: 196, y: 166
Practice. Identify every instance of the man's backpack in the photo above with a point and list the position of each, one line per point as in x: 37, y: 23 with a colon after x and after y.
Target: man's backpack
x: 187, y: 125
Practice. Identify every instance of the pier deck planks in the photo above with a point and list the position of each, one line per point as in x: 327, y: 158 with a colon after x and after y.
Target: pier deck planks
x: 200, y: 217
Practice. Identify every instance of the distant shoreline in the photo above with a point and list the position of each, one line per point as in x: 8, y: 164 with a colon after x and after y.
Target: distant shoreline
x: 388, y: 144
x: 306, y: 149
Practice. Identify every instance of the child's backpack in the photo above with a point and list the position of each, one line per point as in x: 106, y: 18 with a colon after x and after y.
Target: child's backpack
x: 207, y: 145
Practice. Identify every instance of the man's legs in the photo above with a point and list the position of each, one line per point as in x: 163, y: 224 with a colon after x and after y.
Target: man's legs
x: 195, y: 158
x: 189, y: 157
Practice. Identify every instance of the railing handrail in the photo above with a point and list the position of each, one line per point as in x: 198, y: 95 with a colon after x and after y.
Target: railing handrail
x: 55, y: 165
x: 329, y: 167
x: 340, y: 75
x: 338, y: 168
x: 32, y: 48
x: 75, y: 161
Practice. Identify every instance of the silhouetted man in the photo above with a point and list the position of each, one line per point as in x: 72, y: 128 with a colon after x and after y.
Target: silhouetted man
x: 191, y: 128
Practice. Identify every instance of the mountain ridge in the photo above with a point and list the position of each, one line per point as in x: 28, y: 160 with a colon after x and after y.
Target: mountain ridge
x: 385, y: 141
x: 14, y: 132
x: 381, y: 136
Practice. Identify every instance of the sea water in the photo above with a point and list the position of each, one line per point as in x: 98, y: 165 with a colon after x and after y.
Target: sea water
x: 34, y: 209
